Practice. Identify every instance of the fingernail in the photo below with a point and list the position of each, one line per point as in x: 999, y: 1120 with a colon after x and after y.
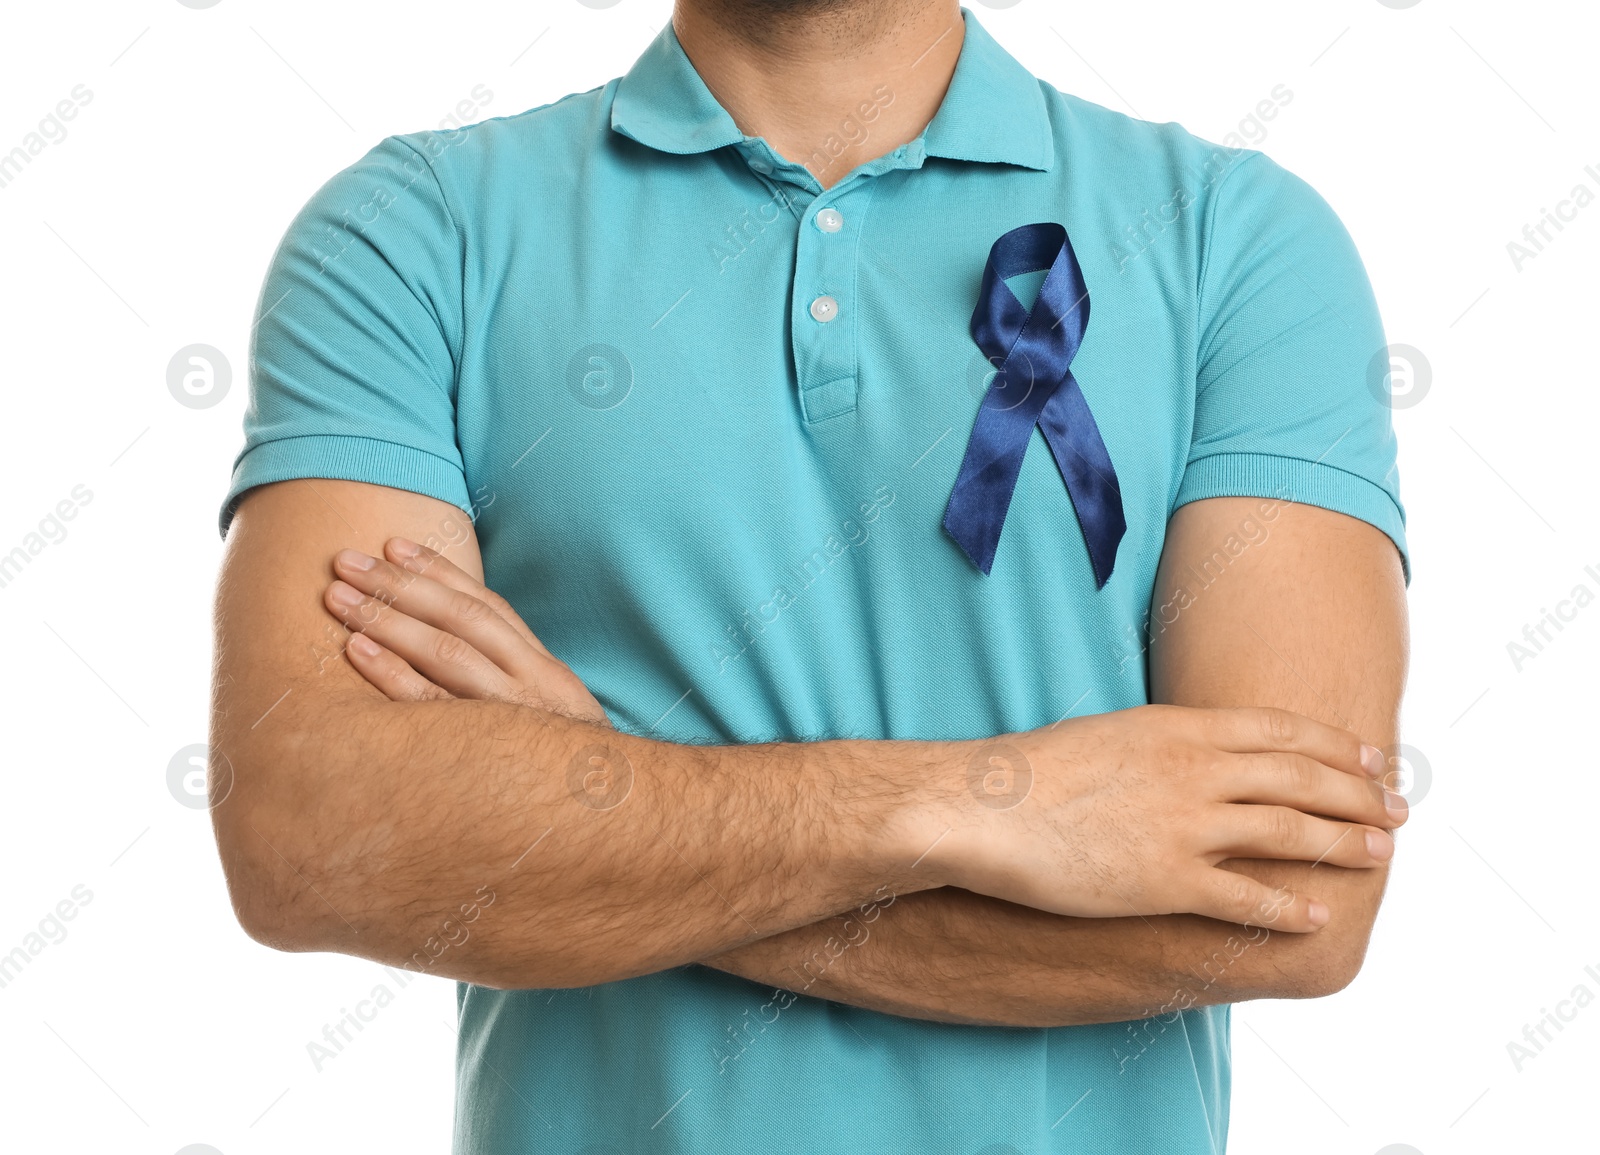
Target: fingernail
x: 1397, y: 806
x: 1316, y: 913
x: 355, y: 559
x: 1380, y: 845
x: 363, y: 645
x: 405, y: 547
x: 347, y: 595
x: 1373, y: 761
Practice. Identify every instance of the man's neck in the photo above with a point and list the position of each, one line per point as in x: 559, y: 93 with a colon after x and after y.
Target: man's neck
x: 829, y: 84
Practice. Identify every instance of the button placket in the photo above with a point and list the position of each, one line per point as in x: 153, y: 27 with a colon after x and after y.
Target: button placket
x: 823, y: 319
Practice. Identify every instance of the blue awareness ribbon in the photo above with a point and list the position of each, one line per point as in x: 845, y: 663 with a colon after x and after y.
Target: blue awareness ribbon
x: 1033, y: 386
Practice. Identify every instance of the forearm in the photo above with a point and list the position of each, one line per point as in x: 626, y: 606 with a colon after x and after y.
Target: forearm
x: 950, y: 956
x: 457, y: 836
x: 1328, y: 592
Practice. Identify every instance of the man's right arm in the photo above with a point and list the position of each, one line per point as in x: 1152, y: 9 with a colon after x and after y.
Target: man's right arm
x: 454, y: 835
x: 405, y: 831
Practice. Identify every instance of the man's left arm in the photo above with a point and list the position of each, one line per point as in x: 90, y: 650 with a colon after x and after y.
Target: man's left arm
x: 1308, y: 614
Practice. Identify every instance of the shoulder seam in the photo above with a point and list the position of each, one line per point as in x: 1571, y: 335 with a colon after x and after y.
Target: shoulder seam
x: 461, y: 242
x: 1209, y: 227
x: 1211, y: 217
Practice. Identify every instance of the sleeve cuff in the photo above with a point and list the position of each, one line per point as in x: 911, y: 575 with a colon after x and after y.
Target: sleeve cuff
x: 1292, y: 479
x: 345, y: 458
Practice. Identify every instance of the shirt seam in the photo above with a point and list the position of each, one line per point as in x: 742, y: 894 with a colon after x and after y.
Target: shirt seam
x: 1207, y: 228
x: 1210, y: 228
x: 459, y: 353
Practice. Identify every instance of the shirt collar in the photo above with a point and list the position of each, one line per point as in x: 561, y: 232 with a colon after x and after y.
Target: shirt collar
x: 993, y: 110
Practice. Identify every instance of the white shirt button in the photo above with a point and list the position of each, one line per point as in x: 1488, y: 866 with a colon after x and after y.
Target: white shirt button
x: 829, y: 220
x: 761, y: 167
x: 824, y: 308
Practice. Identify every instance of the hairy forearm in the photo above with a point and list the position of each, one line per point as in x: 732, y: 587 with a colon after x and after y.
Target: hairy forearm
x: 457, y: 836
x: 947, y: 955
x: 504, y: 844
x: 1327, y: 591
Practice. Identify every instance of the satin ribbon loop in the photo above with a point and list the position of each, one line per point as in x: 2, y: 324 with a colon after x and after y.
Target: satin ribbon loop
x: 1033, y: 386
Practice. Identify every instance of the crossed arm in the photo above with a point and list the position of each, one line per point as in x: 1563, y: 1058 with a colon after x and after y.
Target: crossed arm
x: 1310, y: 618
x: 371, y: 826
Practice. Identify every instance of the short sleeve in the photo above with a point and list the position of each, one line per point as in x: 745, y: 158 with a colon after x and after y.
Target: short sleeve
x: 1289, y: 338
x: 357, y: 334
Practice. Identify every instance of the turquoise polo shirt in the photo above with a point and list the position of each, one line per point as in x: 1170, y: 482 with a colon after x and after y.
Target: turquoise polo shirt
x: 597, y: 327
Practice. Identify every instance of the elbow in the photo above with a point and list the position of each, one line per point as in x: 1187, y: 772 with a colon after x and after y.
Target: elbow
x: 1318, y: 963
x: 1330, y: 966
x: 269, y: 867
x: 276, y: 824
x: 261, y: 896
x: 268, y: 924
x: 266, y: 917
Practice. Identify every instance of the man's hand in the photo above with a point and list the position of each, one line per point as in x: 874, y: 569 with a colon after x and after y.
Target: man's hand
x: 1130, y: 812
x: 1124, y: 813
x: 424, y: 628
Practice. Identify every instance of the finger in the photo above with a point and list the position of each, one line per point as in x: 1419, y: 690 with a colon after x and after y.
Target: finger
x: 438, y: 605
x: 1284, y: 779
x: 444, y: 659
x: 1259, y: 729
x: 389, y: 672
x: 420, y: 559
x: 1283, y: 832
x: 1235, y: 898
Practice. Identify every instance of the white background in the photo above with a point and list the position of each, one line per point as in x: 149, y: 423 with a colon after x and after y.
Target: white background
x: 1437, y: 132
